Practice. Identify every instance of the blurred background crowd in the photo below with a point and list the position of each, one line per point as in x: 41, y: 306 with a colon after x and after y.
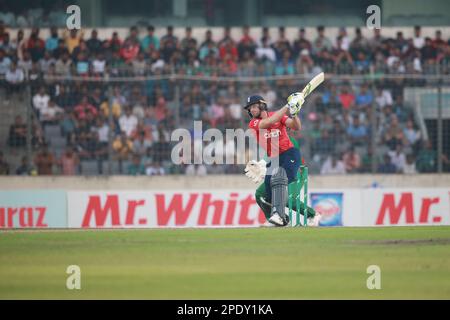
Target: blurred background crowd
x: 79, y: 123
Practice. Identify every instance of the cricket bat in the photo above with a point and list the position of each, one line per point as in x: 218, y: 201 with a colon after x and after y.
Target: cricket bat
x: 313, y: 84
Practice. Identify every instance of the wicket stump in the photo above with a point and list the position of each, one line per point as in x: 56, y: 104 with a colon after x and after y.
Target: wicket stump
x: 300, y: 197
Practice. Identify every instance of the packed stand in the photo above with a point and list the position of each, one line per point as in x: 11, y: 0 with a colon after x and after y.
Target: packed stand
x: 79, y: 118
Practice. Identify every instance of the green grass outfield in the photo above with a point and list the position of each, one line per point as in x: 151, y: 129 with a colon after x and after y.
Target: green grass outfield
x: 254, y: 263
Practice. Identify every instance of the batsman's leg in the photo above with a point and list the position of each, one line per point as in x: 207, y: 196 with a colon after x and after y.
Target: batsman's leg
x: 261, y: 200
x: 279, y: 184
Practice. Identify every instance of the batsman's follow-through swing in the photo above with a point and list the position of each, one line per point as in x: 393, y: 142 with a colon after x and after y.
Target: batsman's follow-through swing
x: 284, y: 175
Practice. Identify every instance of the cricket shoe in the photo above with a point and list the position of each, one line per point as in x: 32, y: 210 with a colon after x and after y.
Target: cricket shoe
x: 276, y: 220
x: 268, y: 224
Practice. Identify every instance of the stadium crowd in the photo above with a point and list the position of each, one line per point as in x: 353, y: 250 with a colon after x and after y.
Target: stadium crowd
x: 64, y: 70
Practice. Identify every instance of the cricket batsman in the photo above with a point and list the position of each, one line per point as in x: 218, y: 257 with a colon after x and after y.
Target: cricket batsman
x: 272, y: 195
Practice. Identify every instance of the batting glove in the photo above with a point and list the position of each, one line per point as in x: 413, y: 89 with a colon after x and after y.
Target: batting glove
x: 295, y: 102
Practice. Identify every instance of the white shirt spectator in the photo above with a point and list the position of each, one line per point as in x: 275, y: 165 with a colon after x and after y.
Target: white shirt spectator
x: 102, y: 132
x: 51, y: 112
x: 409, y: 168
x: 418, y: 42
x: 128, y: 123
x: 15, y: 77
x: 267, y: 52
x: 384, y: 99
x: 328, y: 168
x: 398, y: 159
x: 40, y: 102
x: 99, y: 65
x: 412, y: 135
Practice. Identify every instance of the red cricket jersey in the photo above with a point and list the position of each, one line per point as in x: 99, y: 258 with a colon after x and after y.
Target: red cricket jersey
x: 278, y: 129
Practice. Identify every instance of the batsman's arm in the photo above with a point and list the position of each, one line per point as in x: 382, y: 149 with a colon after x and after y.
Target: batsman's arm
x: 274, y: 118
x: 294, y: 123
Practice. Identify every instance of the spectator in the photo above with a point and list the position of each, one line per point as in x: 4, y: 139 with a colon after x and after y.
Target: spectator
x: 19, y: 44
x: 94, y: 45
x: 52, y: 114
x: 72, y: 39
x: 377, y: 40
x: 44, y: 161
x: 383, y: 98
x: 352, y: 161
x: 123, y: 146
x: 53, y: 40
x: 150, y: 42
x: 141, y: 144
x: 14, y: 80
x: 357, y: 132
x: 17, y: 133
x: 41, y: 99
x: 99, y: 65
x: 265, y: 51
x: 7, y: 45
x: 427, y: 158
x: 410, y: 165
x: 301, y: 43
x: 321, y: 42
x: 25, y: 169
x: 333, y: 166
x: 169, y: 44
x: 226, y: 36
x: 281, y: 44
x: 63, y: 65
x: 412, y: 134
x: 398, y: 158
x: 4, y: 166
x: 35, y: 45
x: 102, y: 130
x: 364, y: 98
x: 344, y: 43
x: 368, y: 160
x: 46, y: 62
x: 394, y: 134
x: 130, y: 49
x: 5, y: 63
x: 155, y: 169
x: 82, y: 110
x: 347, y: 98
x: 128, y: 122
x: 69, y: 162
x: 136, y: 168
x: 418, y: 40
x: 246, y: 46
x: 359, y: 43
x: 387, y: 166
x: 26, y: 63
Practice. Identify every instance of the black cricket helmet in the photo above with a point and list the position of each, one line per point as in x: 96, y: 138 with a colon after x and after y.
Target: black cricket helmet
x: 255, y: 99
